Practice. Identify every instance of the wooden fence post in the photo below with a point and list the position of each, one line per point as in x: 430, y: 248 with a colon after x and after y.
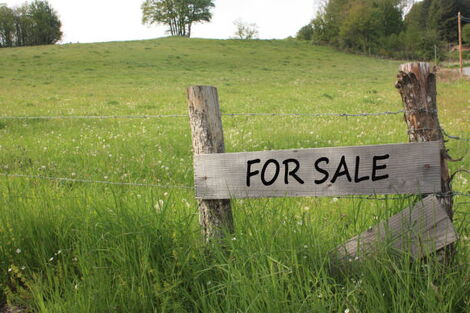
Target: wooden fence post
x: 215, y: 216
x: 417, y: 86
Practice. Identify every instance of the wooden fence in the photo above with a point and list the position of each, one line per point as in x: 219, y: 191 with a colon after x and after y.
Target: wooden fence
x: 419, y: 167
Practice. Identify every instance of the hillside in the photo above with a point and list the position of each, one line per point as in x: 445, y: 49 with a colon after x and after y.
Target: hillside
x: 77, y: 246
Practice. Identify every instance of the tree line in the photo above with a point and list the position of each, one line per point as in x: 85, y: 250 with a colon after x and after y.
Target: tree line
x: 29, y: 24
x: 382, y: 27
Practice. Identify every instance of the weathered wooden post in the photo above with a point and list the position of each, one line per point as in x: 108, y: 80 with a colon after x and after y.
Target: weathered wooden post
x: 215, y: 216
x: 417, y: 86
x: 426, y: 227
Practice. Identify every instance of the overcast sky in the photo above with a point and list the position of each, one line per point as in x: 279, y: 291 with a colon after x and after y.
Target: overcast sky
x: 110, y: 20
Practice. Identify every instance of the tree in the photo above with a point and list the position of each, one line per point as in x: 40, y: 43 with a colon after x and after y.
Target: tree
x: 305, y: 33
x: 381, y: 26
x: 29, y: 24
x: 46, y: 23
x: 245, y: 31
x: 179, y: 15
x: 437, y: 16
x: 441, y: 18
x: 358, y: 24
x: 7, y: 27
x: 466, y: 33
x: 361, y: 28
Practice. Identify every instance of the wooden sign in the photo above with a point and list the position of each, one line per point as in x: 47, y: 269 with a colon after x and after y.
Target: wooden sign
x: 412, y: 168
x: 419, y: 230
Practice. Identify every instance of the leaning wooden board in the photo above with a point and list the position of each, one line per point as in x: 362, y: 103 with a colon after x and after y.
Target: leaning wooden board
x: 358, y: 170
x: 419, y: 230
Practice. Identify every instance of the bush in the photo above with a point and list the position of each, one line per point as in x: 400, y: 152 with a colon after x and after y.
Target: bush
x: 466, y: 33
x: 245, y: 31
x: 305, y: 33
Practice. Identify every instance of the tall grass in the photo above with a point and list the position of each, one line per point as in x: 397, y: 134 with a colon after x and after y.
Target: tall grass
x: 73, y: 247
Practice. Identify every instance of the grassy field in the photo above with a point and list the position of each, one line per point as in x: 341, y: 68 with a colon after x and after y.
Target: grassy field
x: 81, y: 247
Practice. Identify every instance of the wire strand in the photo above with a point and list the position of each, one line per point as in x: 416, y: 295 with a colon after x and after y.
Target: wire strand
x: 88, y: 181
x: 44, y: 117
x: 413, y: 131
x: 453, y: 137
x: 74, y: 180
x: 56, y: 117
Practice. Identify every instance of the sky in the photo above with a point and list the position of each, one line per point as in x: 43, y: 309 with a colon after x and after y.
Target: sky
x: 116, y: 20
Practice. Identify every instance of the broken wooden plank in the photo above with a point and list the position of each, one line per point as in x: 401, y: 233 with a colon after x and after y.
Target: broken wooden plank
x: 358, y: 170
x: 420, y: 230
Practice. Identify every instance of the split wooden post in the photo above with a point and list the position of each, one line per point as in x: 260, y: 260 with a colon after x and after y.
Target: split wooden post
x: 215, y: 216
x: 417, y: 86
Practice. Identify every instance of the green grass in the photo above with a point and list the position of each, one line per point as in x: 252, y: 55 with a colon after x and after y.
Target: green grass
x: 72, y: 247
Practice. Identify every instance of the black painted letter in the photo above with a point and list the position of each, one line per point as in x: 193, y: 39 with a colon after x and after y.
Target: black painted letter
x: 376, y: 167
x: 292, y: 173
x: 324, y: 179
x: 340, y: 172
x: 249, y: 173
x: 276, y: 173
x: 358, y: 179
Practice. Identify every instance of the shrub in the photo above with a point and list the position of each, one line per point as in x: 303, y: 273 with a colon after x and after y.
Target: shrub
x: 466, y: 33
x: 305, y: 33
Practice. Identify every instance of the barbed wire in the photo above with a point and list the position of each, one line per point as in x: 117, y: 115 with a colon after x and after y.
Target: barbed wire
x: 97, y: 117
x: 233, y: 115
x: 413, y: 131
x: 319, y: 114
x: 458, y: 193
x: 453, y: 137
x: 403, y: 197
x: 331, y: 114
x: 89, y: 181
x: 338, y: 114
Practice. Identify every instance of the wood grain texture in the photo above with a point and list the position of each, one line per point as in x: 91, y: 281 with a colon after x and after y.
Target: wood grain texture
x: 215, y: 216
x: 412, y: 168
x: 420, y: 230
x: 417, y: 86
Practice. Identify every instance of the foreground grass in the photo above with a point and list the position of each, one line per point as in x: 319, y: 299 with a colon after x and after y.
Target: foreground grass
x: 67, y: 247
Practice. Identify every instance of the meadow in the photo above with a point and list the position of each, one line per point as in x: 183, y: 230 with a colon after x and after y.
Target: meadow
x: 87, y: 247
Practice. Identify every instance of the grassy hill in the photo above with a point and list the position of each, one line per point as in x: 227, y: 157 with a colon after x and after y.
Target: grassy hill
x: 82, y: 247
